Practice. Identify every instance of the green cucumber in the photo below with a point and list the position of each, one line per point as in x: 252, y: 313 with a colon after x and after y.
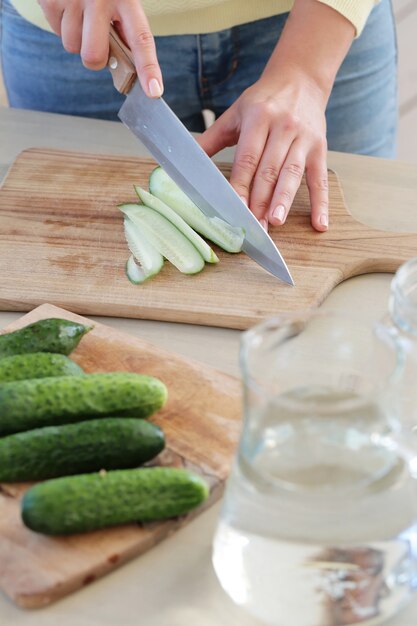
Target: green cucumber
x: 86, y: 502
x: 49, y: 335
x: 37, y: 365
x: 28, y: 404
x: 165, y: 237
x: 228, y: 237
x: 108, y: 443
x: 151, y: 261
x: 155, y: 203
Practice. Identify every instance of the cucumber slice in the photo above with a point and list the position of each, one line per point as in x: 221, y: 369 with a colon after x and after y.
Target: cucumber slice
x: 150, y: 260
x: 228, y: 237
x: 155, y: 203
x: 135, y: 274
x: 165, y: 237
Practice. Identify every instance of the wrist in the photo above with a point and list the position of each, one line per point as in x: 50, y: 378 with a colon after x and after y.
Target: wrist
x: 299, y: 77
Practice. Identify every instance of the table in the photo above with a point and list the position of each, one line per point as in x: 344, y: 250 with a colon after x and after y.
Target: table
x: 174, y: 584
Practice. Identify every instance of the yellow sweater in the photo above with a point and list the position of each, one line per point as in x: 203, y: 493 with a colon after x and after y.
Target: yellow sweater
x: 180, y: 17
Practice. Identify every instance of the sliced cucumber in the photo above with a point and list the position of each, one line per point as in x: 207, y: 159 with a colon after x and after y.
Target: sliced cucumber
x: 158, y: 205
x: 135, y: 274
x: 150, y: 260
x: 228, y: 237
x: 165, y: 237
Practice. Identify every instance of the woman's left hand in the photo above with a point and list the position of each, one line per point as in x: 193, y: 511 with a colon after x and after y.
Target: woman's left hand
x: 280, y: 131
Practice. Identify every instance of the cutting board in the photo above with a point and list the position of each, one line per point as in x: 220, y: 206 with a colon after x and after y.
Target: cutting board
x: 201, y: 422
x: 61, y: 241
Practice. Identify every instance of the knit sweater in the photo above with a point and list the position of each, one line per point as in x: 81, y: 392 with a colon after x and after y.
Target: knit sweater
x: 180, y: 17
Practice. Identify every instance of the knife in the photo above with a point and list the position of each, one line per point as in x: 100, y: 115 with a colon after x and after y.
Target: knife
x: 179, y: 154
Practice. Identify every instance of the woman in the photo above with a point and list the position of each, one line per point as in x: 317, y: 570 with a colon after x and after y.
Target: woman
x: 283, y: 78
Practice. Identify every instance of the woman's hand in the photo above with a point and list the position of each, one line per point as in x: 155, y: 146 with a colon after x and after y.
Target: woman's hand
x: 84, y: 27
x: 279, y: 123
x: 280, y: 131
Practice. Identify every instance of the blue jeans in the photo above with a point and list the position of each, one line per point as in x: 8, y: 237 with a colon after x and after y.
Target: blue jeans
x: 210, y: 71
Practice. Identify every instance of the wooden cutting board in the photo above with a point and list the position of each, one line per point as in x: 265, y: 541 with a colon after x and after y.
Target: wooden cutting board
x: 61, y: 241
x: 201, y: 421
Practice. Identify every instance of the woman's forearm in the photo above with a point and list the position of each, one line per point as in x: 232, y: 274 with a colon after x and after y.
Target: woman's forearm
x: 314, y: 43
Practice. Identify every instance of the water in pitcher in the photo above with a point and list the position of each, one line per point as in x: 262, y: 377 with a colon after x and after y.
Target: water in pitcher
x: 318, y: 526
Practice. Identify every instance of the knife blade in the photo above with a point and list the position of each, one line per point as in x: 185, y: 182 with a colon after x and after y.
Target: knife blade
x: 178, y: 153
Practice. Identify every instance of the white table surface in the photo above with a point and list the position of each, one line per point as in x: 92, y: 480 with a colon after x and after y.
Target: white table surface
x: 174, y: 583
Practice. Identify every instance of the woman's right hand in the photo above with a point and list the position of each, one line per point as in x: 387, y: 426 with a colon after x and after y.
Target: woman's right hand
x: 84, y: 27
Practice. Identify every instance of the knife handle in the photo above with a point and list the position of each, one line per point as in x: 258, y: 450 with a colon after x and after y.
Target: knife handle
x: 121, y: 63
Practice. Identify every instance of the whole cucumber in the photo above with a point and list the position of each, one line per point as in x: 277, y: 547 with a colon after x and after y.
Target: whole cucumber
x: 75, y: 504
x: 37, y: 365
x: 49, y: 335
x: 28, y: 404
x: 108, y: 443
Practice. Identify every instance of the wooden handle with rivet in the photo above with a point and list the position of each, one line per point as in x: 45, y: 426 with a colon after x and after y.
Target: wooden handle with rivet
x: 121, y: 63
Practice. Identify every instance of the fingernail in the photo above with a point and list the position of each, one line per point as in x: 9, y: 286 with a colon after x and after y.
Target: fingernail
x: 155, y: 88
x: 243, y: 199
x: 324, y: 220
x: 264, y: 224
x: 279, y: 213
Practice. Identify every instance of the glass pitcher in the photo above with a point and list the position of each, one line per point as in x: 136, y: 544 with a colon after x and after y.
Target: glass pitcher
x: 401, y: 322
x: 319, y: 520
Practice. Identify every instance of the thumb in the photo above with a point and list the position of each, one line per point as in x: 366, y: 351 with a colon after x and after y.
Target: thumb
x: 219, y: 135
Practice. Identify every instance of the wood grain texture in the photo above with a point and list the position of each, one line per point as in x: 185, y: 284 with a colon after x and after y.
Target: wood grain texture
x: 61, y: 240
x: 201, y: 421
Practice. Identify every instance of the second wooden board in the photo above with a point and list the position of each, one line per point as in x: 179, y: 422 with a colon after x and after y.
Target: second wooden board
x: 201, y: 422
